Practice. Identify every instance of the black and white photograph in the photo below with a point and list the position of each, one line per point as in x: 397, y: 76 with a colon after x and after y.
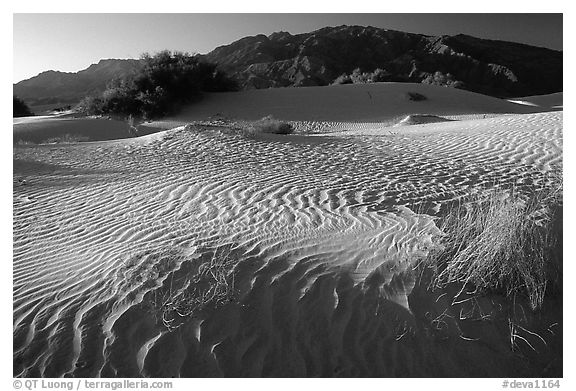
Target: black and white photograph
x: 287, y: 195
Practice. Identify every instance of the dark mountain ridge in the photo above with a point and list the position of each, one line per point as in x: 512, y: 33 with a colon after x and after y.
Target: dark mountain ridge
x: 318, y: 58
x: 343, y: 54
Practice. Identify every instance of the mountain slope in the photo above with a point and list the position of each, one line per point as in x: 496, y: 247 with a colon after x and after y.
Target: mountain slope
x: 318, y: 58
x: 68, y: 87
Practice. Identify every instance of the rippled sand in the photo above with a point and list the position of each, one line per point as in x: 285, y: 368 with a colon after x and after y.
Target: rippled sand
x: 325, y: 228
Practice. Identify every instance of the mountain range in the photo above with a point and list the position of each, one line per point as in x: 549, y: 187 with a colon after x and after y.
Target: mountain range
x: 343, y: 54
x: 54, y: 87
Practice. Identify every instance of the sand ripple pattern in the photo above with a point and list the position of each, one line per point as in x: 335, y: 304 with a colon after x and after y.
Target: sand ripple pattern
x: 306, y: 207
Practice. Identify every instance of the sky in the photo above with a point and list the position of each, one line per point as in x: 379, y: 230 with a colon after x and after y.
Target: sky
x: 71, y: 42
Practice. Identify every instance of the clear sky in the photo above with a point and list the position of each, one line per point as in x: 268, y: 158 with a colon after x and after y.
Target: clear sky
x: 71, y: 42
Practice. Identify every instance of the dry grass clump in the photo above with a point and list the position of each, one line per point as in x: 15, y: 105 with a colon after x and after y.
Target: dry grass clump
x: 132, y: 128
x: 503, y: 242
x: 67, y: 139
x: 268, y: 124
x: 209, y: 286
x: 23, y: 142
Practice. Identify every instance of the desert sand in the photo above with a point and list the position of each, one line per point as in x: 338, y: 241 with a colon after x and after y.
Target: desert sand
x: 66, y: 128
x: 544, y: 102
x: 381, y: 103
x: 324, y: 229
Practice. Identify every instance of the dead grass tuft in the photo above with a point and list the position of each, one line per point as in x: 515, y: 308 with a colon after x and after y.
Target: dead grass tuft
x: 211, y: 285
x: 267, y: 125
x: 67, y: 138
x: 503, y: 241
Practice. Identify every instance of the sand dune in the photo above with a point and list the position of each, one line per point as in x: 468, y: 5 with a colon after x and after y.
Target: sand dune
x: 377, y: 102
x: 544, y: 102
x: 62, y: 128
x: 324, y: 229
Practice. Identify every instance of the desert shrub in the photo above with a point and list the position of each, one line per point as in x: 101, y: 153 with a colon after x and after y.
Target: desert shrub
x: 220, y: 82
x: 444, y: 80
x: 343, y: 79
x: 20, y: 108
x: 165, y: 81
x: 270, y: 125
x: 121, y: 98
x: 91, y: 105
x: 503, y: 242
x: 416, y: 97
x: 359, y: 77
x: 62, y: 108
x: 379, y: 75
